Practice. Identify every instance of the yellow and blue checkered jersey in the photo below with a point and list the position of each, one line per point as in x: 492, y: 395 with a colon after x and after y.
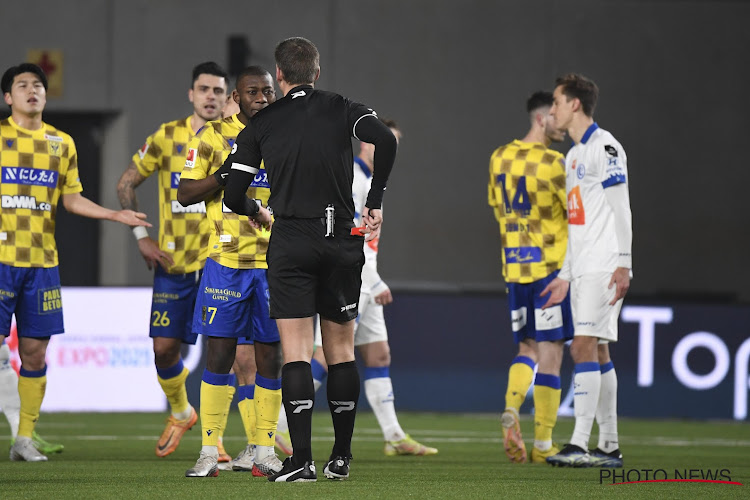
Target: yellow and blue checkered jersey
x: 527, y: 192
x: 234, y: 242
x: 37, y: 167
x: 183, y: 231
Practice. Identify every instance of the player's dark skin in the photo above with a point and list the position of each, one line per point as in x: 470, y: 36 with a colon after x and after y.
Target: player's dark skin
x: 221, y: 351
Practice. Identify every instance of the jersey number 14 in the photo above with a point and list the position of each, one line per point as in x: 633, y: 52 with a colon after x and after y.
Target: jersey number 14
x: 521, y: 202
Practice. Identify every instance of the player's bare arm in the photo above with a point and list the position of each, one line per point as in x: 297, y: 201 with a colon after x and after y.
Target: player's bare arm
x: 621, y: 279
x: 75, y: 203
x: 148, y: 247
x: 557, y: 289
x: 192, y: 191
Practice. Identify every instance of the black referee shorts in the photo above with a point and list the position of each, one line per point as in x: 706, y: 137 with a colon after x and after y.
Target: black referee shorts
x: 310, y: 274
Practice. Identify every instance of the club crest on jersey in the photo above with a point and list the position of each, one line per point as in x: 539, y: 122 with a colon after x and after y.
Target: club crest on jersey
x: 581, y: 171
x: 190, y: 158
x: 179, y: 147
x: 54, y: 148
x: 143, y: 150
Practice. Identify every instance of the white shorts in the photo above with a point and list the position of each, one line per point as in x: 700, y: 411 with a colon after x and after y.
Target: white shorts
x: 592, y: 314
x: 369, y: 326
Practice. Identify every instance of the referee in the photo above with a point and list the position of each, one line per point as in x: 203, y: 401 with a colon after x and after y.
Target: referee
x: 314, y: 262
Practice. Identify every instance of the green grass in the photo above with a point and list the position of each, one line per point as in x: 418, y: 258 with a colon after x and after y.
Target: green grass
x: 112, y: 456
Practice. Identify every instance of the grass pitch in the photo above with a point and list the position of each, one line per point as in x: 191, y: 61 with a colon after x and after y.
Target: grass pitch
x: 112, y: 456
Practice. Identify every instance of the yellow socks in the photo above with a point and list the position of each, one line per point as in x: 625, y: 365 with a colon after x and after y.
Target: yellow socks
x: 246, y: 405
x: 520, y: 375
x: 31, y: 387
x: 172, y: 381
x: 267, y: 406
x: 546, y: 403
x: 214, y: 395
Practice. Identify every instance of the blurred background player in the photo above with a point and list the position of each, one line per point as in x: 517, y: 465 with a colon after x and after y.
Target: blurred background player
x: 39, y: 166
x: 370, y: 334
x: 233, y: 300
x: 597, y: 268
x: 527, y: 192
x: 180, y: 254
x: 10, y: 402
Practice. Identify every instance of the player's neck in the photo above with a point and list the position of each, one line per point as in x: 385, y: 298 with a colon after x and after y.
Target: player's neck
x: 29, y: 122
x: 537, y: 135
x: 196, y: 123
x: 579, y: 126
x: 286, y: 87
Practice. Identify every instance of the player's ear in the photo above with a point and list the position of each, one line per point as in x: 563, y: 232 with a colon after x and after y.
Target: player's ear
x: 190, y: 95
x: 317, y: 75
x: 8, y: 100
x: 279, y: 74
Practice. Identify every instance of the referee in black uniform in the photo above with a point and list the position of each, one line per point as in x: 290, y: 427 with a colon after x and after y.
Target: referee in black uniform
x: 314, y: 261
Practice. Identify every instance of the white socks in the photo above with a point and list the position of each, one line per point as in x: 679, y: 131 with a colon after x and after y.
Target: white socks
x: 606, y: 411
x: 587, y: 384
x: 379, y: 392
x: 9, y: 400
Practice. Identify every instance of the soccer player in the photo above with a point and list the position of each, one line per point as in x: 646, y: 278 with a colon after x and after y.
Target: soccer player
x: 315, y: 261
x: 10, y: 402
x: 180, y: 254
x: 39, y: 167
x: 233, y: 299
x: 527, y: 192
x: 597, y: 268
x: 370, y: 333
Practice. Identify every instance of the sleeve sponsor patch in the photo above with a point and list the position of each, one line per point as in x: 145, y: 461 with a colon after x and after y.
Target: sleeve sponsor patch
x: 611, y: 151
x: 190, y: 158
x: 143, y: 150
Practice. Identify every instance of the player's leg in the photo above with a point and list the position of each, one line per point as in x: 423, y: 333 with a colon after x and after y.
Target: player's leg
x: 553, y: 327
x: 342, y: 392
x: 171, y: 326
x: 245, y: 370
x: 607, y: 452
x: 39, y: 316
x: 220, y: 313
x: 521, y: 371
x: 589, y: 300
x: 268, y: 380
x: 9, y: 400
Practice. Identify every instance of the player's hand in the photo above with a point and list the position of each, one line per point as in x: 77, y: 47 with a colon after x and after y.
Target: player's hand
x: 263, y: 219
x: 131, y: 218
x: 373, y: 218
x: 557, y: 289
x: 153, y: 255
x: 621, y: 279
x: 383, y: 298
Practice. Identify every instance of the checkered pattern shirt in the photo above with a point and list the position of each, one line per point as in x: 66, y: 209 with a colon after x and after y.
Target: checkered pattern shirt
x: 527, y: 192
x: 234, y: 242
x: 183, y: 231
x: 37, y: 167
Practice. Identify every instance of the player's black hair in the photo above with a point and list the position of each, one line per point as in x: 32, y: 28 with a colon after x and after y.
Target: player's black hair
x: 208, y: 68
x: 539, y: 99
x: 251, y: 71
x: 12, y: 72
x: 298, y: 59
x: 575, y: 85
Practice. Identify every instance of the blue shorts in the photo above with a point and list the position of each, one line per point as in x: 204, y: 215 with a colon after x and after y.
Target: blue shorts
x: 527, y: 318
x: 33, y: 295
x: 234, y: 303
x: 172, y: 305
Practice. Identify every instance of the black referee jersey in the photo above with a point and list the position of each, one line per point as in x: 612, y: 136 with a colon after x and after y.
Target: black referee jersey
x: 304, y: 141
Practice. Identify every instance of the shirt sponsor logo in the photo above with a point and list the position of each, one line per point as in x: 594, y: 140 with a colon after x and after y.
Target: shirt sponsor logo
x: 143, y: 150
x: 190, y: 158
x: 55, y: 138
x: 576, y: 212
x: 49, y: 300
x: 523, y: 255
x: 30, y: 176
x: 261, y: 179
x: 28, y: 202
x: 195, y: 208
x: 175, y: 180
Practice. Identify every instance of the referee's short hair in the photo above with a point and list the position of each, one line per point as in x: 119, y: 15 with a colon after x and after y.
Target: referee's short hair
x: 12, y: 72
x: 577, y: 86
x: 298, y: 59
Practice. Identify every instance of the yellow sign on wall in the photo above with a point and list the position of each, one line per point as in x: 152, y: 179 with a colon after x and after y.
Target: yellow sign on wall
x: 51, y: 62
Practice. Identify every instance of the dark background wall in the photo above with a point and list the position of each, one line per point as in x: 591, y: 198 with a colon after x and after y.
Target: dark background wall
x: 455, y: 74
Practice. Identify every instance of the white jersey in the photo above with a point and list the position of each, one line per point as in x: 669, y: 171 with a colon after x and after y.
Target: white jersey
x: 596, y: 163
x: 371, y: 282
